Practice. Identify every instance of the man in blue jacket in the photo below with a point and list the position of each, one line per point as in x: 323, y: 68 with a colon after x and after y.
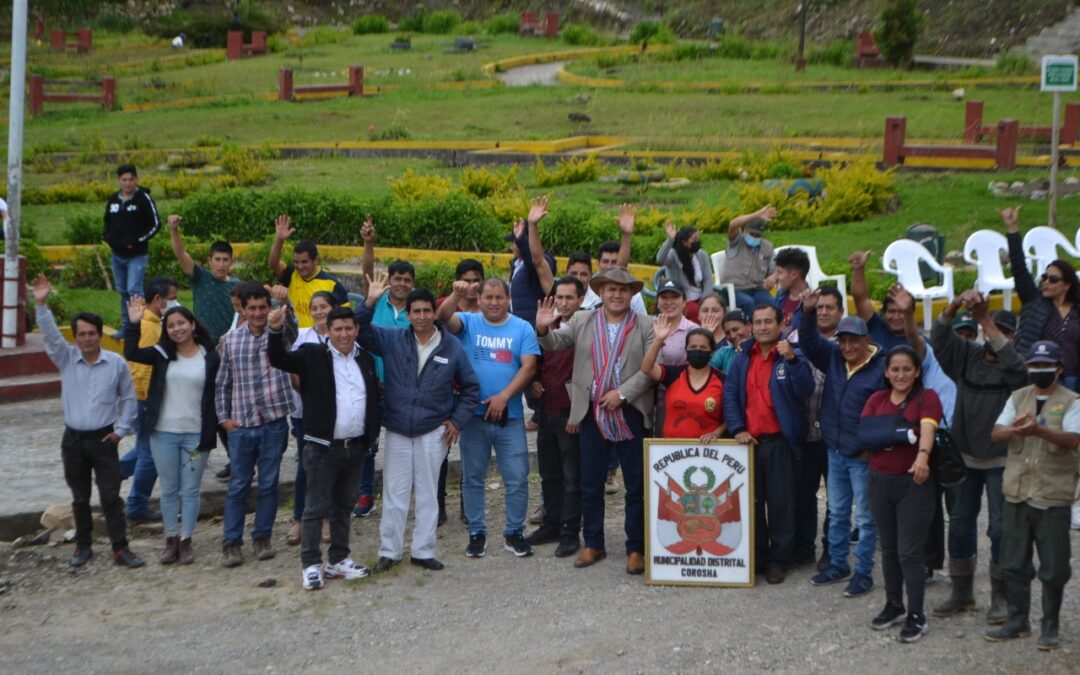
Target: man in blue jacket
x: 763, y: 405
x: 423, y: 418
x: 854, y: 369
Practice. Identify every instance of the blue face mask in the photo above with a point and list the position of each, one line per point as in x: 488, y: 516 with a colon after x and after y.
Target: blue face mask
x: 752, y: 241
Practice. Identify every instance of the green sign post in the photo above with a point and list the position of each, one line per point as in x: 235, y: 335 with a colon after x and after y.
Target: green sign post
x: 1058, y: 75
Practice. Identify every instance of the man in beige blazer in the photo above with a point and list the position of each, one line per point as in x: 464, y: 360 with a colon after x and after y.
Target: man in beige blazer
x: 611, y: 404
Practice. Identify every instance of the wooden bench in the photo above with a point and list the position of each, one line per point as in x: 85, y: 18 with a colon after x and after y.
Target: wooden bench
x: 80, y: 41
x: 529, y: 25
x: 975, y: 130
x: 106, y: 94
x: 1003, y: 154
x: 236, y: 48
x: 867, y: 54
x: 287, y: 91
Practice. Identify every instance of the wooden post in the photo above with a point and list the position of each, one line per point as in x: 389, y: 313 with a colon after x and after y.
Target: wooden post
x: 1008, y: 134
x: 57, y: 39
x: 108, y: 92
x: 551, y: 25
x: 285, y: 84
x: 258, y: 42
x: 37, y: 93
x: 39, y: 30
x: 1071, y: 129
x: 84, y: 41
x: 234, y: 46
x: 356, y: 80
x: 895, y: 131
x: 973, y: 118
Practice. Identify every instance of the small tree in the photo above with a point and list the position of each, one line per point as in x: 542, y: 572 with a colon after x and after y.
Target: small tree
x: 896, y: 35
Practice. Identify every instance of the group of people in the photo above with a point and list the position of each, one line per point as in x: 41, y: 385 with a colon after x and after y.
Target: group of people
x: 864, y: 401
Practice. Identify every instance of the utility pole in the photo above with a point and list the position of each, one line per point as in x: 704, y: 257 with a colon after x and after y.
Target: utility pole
x: 14, y: 285
x: 800, y: 60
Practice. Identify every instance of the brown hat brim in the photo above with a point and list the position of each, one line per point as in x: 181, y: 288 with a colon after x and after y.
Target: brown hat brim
x: 598, y: 282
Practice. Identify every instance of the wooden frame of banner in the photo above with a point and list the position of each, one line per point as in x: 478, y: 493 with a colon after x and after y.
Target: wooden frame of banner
x: 747, y: 516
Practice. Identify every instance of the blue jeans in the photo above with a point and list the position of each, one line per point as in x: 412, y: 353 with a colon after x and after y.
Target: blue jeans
x: 300, y: 486
x: 263, y: 445
x: 181, y: 468
x: 512, y: 456
x: 128, y: 276
x: 749, y: 298
x: 849, y: 481
x: 138, y: 464
x: 367, y: 475
x: 964, y: 502
x: 595, y: 450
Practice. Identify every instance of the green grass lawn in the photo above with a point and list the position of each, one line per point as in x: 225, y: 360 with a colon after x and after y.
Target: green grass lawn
x: 105, y: 304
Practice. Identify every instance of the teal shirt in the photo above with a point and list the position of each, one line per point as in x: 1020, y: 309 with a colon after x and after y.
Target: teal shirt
x: 213, y: 304
x: 386, y: 316
x: 722, y: 358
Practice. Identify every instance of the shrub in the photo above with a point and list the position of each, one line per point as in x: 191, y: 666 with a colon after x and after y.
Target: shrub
x: 413, y: 23
x: 394, y: 132
x: 436, y: 277
x: 1014, y: 63
x: 35, y: 260
x: 250, y: 264
x: 83, y: 229
x: 412, y: 187
x: 568, y: 171
x: 453, y: 222
x: 243, y: 163
x: 502, y: 23
x: 441, y: 23
x: 836, y: 53
x: 208, y: 29
x: 114, y: 22
x: 690, y: 51
x: 605, y: 61
x: 482, y: 182
x: 469, y: 28
x: 651, y: 31
x: 734, y: 47
x: 323, y: 35
x: 88, y: 269
x: 578, y: 35
x: 371, y: 23
x: 896, y: 35
x: 576, y: 227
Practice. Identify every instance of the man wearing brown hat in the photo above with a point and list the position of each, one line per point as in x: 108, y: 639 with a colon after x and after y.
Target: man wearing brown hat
x: 611, y: 404
x: 986, y: 375
x: 1041, y: 424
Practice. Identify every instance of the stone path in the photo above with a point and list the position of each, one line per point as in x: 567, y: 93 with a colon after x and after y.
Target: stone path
x: 541, y: 73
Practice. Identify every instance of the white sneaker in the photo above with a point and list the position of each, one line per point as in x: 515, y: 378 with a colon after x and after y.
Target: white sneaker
x: 347, y: 570
x: 313, y: 577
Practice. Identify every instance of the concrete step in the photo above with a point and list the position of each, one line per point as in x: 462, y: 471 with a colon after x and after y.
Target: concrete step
x: 29, y: 387
x: 29, y: 359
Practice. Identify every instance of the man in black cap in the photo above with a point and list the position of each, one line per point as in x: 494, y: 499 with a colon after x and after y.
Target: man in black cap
x: 1041, y: 424
x: 986, y: 375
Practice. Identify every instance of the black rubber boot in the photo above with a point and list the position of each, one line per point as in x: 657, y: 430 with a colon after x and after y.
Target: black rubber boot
x: 1051, y: 607
x: 999, y: 605
x: 1017, y: 624
x: 962, y: 598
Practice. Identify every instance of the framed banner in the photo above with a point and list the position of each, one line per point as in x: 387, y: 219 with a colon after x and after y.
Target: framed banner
x: 699, y: 513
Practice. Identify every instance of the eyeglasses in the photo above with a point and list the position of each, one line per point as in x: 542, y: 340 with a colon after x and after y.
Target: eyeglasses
x: 1052, y: 278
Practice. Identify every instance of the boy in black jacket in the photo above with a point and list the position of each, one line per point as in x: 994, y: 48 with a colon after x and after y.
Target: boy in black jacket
x: 131, y: 220
x: 341, y: 422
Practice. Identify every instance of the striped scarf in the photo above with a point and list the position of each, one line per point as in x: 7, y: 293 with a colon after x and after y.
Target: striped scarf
x: 605, y: 358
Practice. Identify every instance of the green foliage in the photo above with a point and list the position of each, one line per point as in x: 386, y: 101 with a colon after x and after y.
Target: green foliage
x: 580, y: 36
x: 83, y: 229
x: 394, y: 132
x: 114, y: 22
x: 576, y: 227
x: 371, y: 23
x: 413, y: 23
x: 482, y: 182
x: 250, y: 263
x: 441, y: 22
x: 1015, y: 63
x: 412, y: 187
x: 453, y: 222
x: 896, y: 35
x: 836, y: 53
x: 436, y: 277
x: 469, y: 28
x: 651, y: 31
x: 731, y: 46
x: 208, y: 29
x: 35, y: 260
x: 323, y: 35
x: 568, y: 171
x: 243, y: 163
x: 606, y: 61
x: 89, y: 268
x: 502, y: 23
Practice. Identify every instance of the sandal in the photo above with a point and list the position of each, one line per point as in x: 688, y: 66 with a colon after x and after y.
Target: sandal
x: 293, y: 536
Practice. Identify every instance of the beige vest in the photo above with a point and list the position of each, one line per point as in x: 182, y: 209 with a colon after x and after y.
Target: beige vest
x: 1036, y: 469
x: 745, y: 267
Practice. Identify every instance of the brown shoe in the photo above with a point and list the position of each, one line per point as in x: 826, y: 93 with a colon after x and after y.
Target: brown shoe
x: 292, y: 537
x: 589, y: 556
x: 187, y: 553
x: 171, y: 553
x: 635, y: 563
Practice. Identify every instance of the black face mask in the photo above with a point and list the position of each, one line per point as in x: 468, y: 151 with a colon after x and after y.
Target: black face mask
x: 698, y: 358
x: 695, y: 247
x: 1043, y: 379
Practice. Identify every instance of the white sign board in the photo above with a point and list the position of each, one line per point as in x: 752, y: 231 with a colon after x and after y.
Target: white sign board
x: 1058, y: 73
x: 699, y: 513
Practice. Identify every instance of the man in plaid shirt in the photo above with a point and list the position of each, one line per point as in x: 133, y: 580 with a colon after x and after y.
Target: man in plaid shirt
x: 253, y: 402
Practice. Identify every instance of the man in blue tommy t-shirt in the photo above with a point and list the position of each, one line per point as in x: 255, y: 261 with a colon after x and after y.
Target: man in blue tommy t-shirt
x: 503, y: 351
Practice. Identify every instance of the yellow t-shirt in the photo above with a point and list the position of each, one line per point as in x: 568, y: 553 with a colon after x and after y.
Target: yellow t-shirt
x: 149, y: 334
x: 301, y: 290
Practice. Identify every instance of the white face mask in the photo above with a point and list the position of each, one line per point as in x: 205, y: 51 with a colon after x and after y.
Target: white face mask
x: 172, y: 303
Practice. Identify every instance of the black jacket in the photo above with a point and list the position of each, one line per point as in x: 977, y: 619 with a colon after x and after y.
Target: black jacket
x: 312, y: 362
x: 1036, y: 309
x: 155, y: 356
x: 129, y: 225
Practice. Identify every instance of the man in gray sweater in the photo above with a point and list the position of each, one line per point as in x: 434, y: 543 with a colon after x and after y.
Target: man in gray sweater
x: 986, y: 375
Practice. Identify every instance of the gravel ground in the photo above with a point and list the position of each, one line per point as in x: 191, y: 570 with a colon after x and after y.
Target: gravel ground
x: 497, y: 614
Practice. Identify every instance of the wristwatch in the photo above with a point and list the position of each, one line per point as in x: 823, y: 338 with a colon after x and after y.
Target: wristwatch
x: 621, y: 397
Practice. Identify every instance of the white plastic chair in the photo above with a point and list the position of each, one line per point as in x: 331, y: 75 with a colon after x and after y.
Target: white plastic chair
x: 718, y: 270
x: 817, y: 275
x: 1041, y: 245
x: 902, y: 258
x: 983, y: 249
